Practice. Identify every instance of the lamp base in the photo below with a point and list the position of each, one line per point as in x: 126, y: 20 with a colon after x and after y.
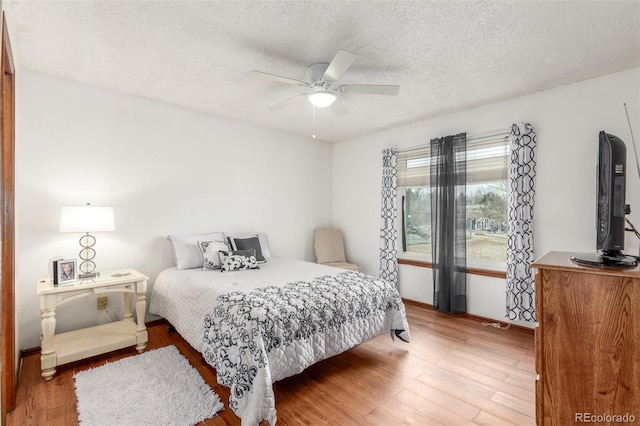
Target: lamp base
x: 87, y: 266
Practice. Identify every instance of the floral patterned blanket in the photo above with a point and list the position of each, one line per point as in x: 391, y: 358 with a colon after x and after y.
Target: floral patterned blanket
x: 255, y: 338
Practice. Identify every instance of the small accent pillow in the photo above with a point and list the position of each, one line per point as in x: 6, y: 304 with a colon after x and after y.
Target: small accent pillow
x: 239, y: 260
x: 252, y: 243
x: 210, y: 256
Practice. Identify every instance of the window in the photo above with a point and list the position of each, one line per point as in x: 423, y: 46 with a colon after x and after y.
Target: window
x: 487, y: 196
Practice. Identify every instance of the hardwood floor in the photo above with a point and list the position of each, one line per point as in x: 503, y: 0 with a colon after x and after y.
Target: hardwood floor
x: 455, y: 371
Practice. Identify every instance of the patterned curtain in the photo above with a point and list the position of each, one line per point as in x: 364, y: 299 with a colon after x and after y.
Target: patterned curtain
x: 388, y: 232
x: 448, y: 184
x: 522, y: 173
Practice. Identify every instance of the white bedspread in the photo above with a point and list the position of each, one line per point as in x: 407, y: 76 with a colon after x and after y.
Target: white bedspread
x: 184, y: 297
x: 259, y: 326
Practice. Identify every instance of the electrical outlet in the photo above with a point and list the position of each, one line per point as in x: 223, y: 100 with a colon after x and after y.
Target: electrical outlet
x: 102, y: 303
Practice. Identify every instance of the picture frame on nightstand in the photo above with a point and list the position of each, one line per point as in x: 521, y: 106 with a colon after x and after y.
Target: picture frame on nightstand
x: 65, y: 271
x: 53, y: 268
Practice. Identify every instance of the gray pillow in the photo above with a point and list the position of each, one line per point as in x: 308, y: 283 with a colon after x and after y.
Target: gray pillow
x: 252, y: 243
x: 262, y: 237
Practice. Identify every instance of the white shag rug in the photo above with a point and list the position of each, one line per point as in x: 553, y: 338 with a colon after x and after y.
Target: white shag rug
x: 158, y: 387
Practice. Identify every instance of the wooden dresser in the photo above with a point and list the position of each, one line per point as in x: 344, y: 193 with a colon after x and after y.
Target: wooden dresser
x: 587, y: 343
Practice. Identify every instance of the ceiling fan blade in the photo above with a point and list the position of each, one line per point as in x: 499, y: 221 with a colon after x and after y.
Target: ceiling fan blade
x: 338, y: 108
x: 340, y: 63
x: 288, y: 101
x: 278, y: 78
x: 370, y: 89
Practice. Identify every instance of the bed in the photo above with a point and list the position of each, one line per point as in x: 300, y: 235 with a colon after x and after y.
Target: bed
x: 258, y: 326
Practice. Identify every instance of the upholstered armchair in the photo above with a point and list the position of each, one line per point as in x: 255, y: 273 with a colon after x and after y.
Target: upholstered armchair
x: 329, y: 248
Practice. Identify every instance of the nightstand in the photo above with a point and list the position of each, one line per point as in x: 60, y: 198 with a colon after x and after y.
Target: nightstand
x: 59, y: 349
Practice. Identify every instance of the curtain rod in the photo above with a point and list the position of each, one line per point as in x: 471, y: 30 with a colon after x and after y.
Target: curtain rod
x: 490, y: 134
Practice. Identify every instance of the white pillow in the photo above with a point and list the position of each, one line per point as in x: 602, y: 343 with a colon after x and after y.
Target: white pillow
x: 262, y: 237
x: 210, y: 256
x: 186, y: 251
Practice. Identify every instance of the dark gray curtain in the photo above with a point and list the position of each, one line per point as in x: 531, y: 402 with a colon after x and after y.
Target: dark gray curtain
x: 448, y: 222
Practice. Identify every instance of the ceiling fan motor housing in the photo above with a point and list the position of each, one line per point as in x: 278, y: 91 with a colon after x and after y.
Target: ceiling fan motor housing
x: 315, y: 74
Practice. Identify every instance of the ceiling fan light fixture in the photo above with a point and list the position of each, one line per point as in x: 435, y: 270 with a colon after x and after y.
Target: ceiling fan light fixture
x: 322, y: 99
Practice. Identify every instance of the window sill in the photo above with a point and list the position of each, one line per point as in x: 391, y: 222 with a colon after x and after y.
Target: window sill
x: 470, y: 270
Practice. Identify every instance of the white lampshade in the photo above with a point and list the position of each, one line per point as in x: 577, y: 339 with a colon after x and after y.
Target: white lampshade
x: 86, y: 219
x: 322, y: 99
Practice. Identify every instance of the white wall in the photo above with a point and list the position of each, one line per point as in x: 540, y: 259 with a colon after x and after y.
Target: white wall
x: 164, y: 169
x: 167, y: 169
x: 567, y: 121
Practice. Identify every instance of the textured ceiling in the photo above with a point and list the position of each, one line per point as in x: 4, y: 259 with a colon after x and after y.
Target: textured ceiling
x: 446, y: 56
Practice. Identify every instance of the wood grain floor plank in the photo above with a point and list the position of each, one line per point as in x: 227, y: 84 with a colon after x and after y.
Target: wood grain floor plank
x: 406, y: 415
x: 521, y: 381
x: 483, y: 403
x: 496, y: 385
x: 443, y: 399
x: 514, y: 402
x: 431, y: 408
x: 485, y: 419
x: 379, y: 418
x: 511, y: 368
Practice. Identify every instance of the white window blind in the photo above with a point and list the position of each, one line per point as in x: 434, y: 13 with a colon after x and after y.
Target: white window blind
x: 487, y: 160
x: 413, y: 167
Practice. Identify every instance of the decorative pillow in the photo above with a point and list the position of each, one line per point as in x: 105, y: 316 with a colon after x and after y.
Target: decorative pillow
x: 238, y: 260
x: 262, y: 237
x: 210, y: 256
x: 252, y: 243
x: 186, y: 251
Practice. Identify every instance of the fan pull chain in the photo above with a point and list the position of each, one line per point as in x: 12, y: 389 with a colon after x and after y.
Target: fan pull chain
x: 314, y: 121
x: 330, y: 123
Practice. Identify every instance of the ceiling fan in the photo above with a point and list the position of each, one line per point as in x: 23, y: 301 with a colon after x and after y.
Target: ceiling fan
x: 323, y: 89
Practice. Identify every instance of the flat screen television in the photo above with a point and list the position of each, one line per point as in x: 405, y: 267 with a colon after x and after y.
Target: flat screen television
x: 611, y: 206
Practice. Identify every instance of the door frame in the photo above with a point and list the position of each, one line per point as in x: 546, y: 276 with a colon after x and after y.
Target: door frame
x: 7, y: 221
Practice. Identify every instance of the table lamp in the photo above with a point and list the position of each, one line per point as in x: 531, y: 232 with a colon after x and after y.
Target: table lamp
x: 87, y: 219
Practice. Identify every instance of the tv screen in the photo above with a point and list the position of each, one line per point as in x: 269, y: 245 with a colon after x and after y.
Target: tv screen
x: 612, y: 159
x: 611, y: 205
